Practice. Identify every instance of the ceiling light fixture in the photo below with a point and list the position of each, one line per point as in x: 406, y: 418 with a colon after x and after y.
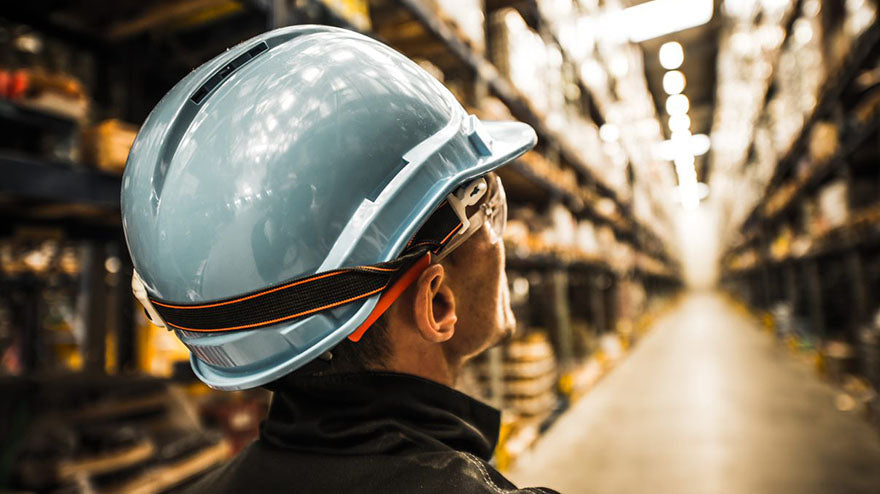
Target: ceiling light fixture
x: 677, y: 104
x: 679, y: 123
x: 657, y: 18
x: 671, y: 55
x: 700, y: 144
x: 674, y: 82
x: 609, y: 132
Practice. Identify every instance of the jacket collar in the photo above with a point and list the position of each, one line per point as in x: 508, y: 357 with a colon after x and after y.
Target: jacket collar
x: 377, y: 413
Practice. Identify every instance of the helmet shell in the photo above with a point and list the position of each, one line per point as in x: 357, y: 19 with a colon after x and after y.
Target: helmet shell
x: 304, y: 149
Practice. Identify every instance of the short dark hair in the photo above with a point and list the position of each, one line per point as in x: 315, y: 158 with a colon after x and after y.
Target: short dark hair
x: 373, y: 350
x: 370, y: 352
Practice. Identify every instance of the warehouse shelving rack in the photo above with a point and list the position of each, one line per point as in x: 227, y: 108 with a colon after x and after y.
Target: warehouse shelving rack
x: 830, y: 93
x: 832, y: 286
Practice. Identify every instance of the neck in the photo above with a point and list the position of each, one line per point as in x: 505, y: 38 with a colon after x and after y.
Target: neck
x: 423, y: 359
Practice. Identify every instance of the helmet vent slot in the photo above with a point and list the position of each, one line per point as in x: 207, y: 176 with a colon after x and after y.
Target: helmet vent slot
x: 226, y: 71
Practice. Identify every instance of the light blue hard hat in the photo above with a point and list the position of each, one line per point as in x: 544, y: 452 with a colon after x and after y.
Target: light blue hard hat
x: 302, y: 150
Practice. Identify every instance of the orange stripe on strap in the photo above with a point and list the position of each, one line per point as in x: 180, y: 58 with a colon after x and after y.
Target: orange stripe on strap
x: 280, y: 319
x: 376, y: 268
x: 227, y: 302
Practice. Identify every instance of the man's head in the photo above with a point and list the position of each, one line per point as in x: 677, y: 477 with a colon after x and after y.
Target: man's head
x: 269, y: 200
x: 456, y: 309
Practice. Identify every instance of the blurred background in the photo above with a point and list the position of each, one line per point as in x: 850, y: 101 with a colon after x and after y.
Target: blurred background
x: 693, y: 247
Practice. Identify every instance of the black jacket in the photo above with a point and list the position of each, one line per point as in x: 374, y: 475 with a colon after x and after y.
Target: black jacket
x: 369, y: 432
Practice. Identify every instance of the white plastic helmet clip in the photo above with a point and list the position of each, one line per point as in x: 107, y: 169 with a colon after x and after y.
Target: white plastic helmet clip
x: 140, y: 293
x: 466, y: 196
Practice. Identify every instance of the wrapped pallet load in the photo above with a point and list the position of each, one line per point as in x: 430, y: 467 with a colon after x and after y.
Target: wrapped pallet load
x: 106, y: 145
x: 523, y: 57
x: 467, y: 16
x: 530, y: 376
x: 354, y: 11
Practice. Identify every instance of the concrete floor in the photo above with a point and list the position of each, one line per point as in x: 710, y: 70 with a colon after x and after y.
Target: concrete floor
x: 707, y: 403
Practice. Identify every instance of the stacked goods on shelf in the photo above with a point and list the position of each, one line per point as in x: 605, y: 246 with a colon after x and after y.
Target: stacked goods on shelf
x: 781, y: 246
x: 43, y: 73
x: 562, y: 177
x: 800, y: 74
x: 530, y: 376
x: 743, y: 261
x: 59, y: 94
x: 812, y: 151
x: 521, y: 55
x: 859, y: 15
x: 832, y: 209
x: 792, y: 330
x: 160, y: 351
x: 586, y: 239
x: 619, y: 255
x: 560, y: 237
x: 824, y: 142
x: 44, y: 290
x: 525, y: 381
x: 629, y: 305
x: 583, y: 137
x: 467, y: 16
x: 48, y: 100
x: 869, y: 352
x: 106, y: 145
x: 558, y: 79
x: 779, y: 199
x: 866, y: 219
x: 611, y: 347
x: 556, y: 233
x: 867, y: 97
x: 650, y: 265
x: 783, y: 319
x: 44, y: 272
x: 355, y: 12
x: 838, y: 359
x: 848, y: 228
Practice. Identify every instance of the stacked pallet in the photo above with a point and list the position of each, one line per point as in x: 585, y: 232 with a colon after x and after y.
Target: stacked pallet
x: 529, y: 376
x: 118, y: 436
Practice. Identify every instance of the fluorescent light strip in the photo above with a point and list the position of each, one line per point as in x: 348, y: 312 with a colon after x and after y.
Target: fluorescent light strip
x: 659, y: 17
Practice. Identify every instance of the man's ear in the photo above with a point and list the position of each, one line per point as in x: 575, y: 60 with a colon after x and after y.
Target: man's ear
x: 434, y: 306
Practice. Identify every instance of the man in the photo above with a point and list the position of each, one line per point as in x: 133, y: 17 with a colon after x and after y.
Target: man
x: 312, y: 212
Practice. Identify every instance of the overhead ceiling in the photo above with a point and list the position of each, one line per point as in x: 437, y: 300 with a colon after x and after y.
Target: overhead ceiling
x: 700, y: 56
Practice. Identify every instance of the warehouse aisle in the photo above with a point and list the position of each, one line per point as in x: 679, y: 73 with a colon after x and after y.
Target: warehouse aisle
x: 707, y: 403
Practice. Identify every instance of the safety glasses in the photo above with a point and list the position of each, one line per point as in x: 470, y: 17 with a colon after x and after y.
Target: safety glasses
x: 492, y: 212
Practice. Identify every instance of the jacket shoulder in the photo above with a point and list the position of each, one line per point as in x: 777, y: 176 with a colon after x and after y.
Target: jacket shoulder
x: 465, y: 473
x: 268, y: 470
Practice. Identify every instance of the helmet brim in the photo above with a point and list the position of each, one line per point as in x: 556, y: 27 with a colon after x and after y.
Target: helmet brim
x: 510, y: 141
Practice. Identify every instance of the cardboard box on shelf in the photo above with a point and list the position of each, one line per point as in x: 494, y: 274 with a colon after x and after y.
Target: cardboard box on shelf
x: 833, y: 204
x: 106, y: 145
x: 522, y: 56
x: 824, y: 141
x: 54, y: 93
x: 467, y: 16
x: 356, y: 12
